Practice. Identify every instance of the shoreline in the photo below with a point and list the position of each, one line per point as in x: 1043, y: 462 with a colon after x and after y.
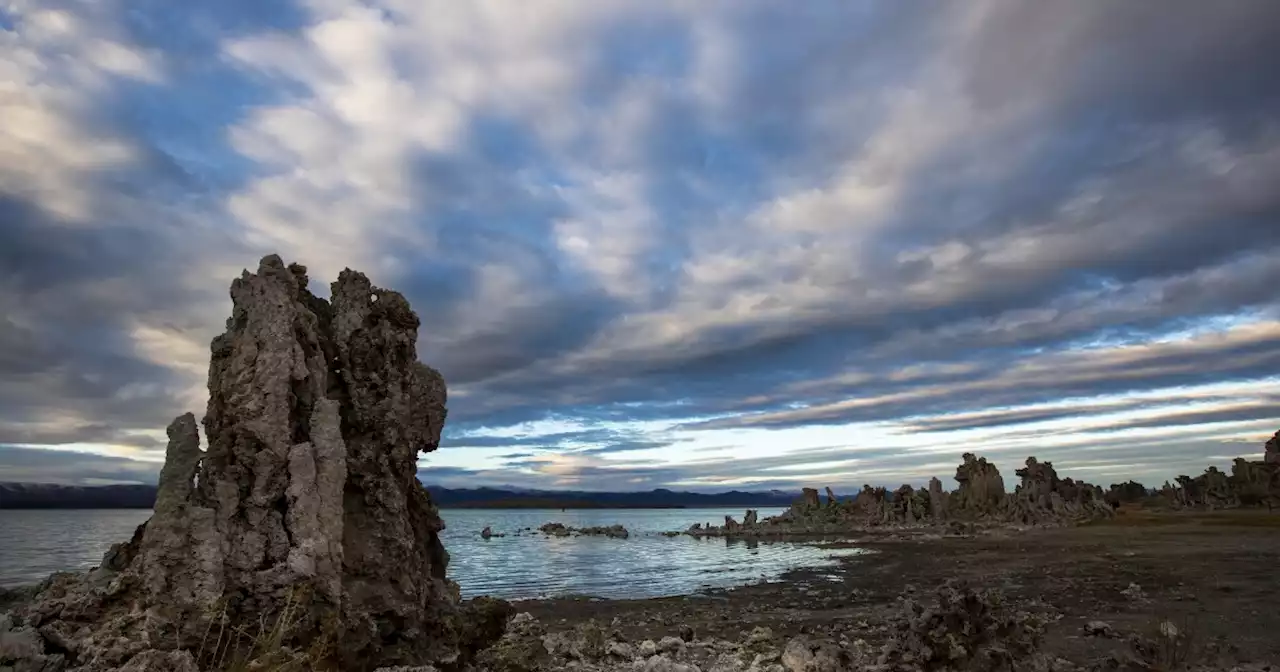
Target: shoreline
x: 1213, y: 572
x: 1099, y: 587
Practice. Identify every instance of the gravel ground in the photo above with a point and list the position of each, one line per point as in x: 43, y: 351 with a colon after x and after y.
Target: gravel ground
x: 1214, y: 575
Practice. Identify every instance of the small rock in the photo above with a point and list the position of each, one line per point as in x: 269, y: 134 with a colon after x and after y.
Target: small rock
x: 648, y: 648
x: 660, y: 664
x: 670, y: 644
x: 686, y: 633
x: 797, y: 657
x: 1099, y: 629
x: 621, y: 650
x: 1134, y: 593
x: 760, y: 635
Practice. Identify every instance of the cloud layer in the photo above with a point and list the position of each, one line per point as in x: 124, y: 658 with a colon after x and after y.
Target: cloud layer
x: 663, y: 243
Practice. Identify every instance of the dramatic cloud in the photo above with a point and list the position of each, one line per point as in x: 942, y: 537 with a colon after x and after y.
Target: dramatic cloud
x: 698, y: 245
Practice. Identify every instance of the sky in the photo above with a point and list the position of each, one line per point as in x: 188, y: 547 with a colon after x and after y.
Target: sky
x: 699, y: 245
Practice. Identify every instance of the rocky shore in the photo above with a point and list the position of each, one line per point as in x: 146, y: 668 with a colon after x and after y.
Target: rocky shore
x: 980, y: 502
x: 1140, y: 591
x: 957, y: 628
x: 299, y: 538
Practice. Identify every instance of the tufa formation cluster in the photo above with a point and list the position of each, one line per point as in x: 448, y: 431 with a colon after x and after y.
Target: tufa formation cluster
x: 1042, y: 498
x: 1251, y: 483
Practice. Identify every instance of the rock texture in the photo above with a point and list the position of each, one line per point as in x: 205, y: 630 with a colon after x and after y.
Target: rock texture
x: 938, y: 500
x: 1251, y: 483
x: 1041, y: 498
x: 561, y: 530
x: 304, y: 514
x: 958, y: 629
x: 981, y: 488
x: 808, y: 500
x: 1126, y: 493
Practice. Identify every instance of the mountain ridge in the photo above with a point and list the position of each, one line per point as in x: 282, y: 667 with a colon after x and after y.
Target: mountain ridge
x: 55, y: 496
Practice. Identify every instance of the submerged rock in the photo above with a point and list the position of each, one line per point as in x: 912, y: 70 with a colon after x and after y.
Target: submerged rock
x: 562, y: 530
x: 613, y: 531
x: 304, y: 514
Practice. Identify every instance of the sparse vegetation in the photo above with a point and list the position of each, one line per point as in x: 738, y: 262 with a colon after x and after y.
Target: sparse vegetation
x: 268, y: 648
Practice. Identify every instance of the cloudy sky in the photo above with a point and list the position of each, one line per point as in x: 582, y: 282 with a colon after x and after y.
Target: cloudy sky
x: 692, y: 244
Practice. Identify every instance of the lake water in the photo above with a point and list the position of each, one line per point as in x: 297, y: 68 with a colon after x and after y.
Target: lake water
x: 35, y: 543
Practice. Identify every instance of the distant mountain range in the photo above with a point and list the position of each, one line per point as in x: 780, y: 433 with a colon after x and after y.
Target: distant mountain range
x: 47, y: 496
x: 481, y: 498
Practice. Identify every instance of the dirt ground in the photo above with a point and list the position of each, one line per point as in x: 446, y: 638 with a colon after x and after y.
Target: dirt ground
x: 1215, y: 575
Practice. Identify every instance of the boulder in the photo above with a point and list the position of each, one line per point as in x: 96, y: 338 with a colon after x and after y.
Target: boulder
x: 1271, y: 450
x: 963, y: 629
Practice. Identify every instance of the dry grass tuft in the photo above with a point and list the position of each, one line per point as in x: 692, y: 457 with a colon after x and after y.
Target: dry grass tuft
x: 266, y: 649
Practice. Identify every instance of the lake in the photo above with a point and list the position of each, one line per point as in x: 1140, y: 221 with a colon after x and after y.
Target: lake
x: 35, y: 543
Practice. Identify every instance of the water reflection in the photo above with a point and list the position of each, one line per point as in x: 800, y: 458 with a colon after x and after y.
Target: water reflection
x: 646, y: 565
x: 749, y: 542
x: 36, y: 543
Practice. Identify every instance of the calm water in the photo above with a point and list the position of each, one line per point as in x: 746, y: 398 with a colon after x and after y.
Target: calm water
x: 35, y: 543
